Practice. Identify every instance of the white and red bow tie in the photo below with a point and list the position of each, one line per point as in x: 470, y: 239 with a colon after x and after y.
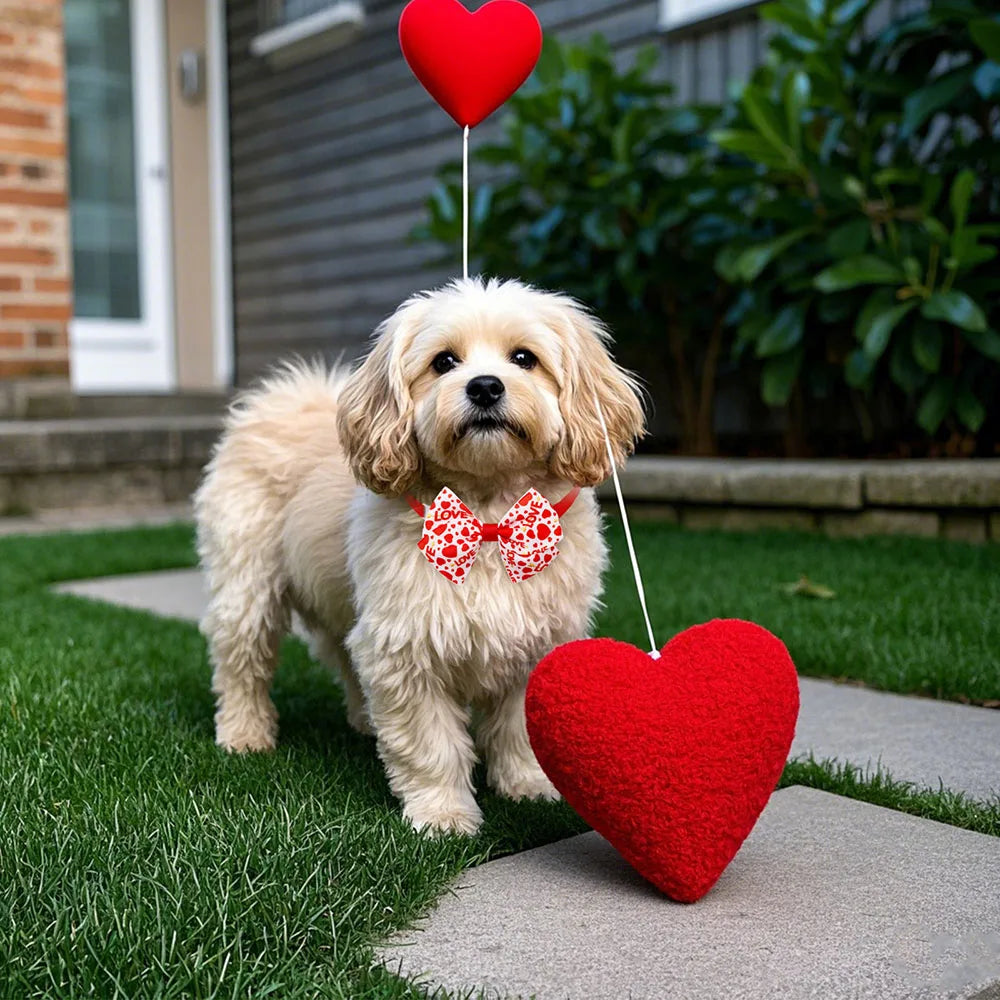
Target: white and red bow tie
x: 528, y: 534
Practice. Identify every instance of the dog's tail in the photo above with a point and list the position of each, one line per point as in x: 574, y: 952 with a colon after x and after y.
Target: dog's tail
x: 296, y: 385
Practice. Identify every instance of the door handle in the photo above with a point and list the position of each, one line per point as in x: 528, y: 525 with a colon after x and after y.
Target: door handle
x: 191, y: 74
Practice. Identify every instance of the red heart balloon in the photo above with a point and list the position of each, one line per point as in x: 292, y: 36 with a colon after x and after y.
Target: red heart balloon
x: 671, y: 760
x: 470, y: 63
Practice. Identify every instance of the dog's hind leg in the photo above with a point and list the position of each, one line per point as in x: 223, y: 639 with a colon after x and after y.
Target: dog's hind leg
x: 244, y: 632
x: 245, y: 622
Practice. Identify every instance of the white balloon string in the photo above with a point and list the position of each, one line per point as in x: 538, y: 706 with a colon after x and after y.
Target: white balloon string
x: 465, y: 202
x: 654, y: 651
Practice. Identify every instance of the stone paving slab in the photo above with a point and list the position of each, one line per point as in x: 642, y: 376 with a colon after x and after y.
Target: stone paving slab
x: 829, y: 899
x: 920, y: 740
x: 179, y: 593
x: 914, y: 739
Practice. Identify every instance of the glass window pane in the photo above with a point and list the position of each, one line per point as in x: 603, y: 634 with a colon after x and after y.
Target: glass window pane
x: 103, y: 207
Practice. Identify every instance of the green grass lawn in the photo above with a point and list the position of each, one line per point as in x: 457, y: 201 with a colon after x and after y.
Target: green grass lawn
x: 138, y: 861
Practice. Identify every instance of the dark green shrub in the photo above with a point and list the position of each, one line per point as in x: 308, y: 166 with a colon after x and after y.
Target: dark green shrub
x: 832, y: 230
x: 871, y: 237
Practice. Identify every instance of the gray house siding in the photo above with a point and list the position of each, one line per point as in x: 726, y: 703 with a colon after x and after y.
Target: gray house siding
x: 332, y: 160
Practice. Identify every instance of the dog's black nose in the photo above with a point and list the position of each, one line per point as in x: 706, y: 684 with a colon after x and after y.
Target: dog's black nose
x: 485, y: 390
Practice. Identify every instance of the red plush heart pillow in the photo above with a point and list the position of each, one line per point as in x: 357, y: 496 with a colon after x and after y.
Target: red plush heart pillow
x: 470, y: 63
x: 671, y: 760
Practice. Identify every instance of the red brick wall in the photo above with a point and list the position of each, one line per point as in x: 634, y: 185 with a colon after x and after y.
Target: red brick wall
x: 35, y: 286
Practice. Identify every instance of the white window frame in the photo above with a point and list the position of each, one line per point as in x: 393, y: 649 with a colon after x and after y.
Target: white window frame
x: 676, y: 14
x: 306, y: 37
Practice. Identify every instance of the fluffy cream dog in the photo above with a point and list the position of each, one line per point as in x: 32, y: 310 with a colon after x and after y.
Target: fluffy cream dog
x: 487, y: 388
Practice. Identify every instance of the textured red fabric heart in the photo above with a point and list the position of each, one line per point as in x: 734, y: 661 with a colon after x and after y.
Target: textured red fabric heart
x: 671, y: 760
x: 470, y: 63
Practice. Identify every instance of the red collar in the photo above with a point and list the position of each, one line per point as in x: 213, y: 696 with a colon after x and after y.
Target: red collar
x: 560, y: 508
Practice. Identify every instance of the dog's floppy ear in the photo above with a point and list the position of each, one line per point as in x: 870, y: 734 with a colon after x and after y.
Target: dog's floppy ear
x: 375, y: 410
x: 589, y: 374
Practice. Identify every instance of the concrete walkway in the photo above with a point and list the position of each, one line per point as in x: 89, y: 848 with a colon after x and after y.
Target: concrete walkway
x: 829, y: 899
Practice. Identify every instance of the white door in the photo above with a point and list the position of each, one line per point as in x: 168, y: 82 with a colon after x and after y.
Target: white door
x: 121, y: 336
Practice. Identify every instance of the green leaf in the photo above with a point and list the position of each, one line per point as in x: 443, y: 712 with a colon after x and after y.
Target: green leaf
x: 970, y: 410
x: 935, y: 229
x: 879, y: 316
x: 749, y: 264
x: 986, y: 80
x: 853, y: 188
x: 783, y: 332
x: 849, y: 10
x: 955, y: 307
x: 831, y: 137
x: 905, y: 372
x: 985, y: 33
x: 646, y: 58
x: 443, y: 203
x: 551, y: 64
x: 765, y: 118
x: 850, y: 238
x: 936, y: 403
x: 971, y: 257
x: 864, y: 269
x: 987, y: 342
x: 936, y: 96
x: 481, y: 204
x: 778, y: 377
x: 599, y: 227
x: 750, y: 145
x: 858, y: 369
x: 897, y: 175
x: 927, y: 345
x: 795, y: 96
x: 960, y: 196
x: 725, y: 263
x: 800, y: 22
x: 543, y: 227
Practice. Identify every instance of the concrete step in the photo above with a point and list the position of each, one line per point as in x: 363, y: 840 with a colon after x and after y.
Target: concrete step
x: 103, y: 461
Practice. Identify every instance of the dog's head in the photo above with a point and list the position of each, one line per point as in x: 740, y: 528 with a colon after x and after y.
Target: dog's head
x: 485, y: 379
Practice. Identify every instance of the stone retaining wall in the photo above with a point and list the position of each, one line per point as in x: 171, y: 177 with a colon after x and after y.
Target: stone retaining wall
x: 131, y: 461
x: 958, y: 499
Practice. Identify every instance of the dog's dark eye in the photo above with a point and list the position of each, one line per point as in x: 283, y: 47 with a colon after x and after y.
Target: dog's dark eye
x: 444, y: 362
x: 523, y: 358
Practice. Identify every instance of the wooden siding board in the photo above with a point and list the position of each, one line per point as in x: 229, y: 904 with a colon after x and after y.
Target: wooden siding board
x: 711, y: 69
x: 332, y: 160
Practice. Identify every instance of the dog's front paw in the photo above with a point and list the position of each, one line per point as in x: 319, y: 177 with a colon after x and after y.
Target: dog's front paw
x: 437, y: 819
x: 527, y: 781
x: 247, y: 742
x: 243, y: 727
